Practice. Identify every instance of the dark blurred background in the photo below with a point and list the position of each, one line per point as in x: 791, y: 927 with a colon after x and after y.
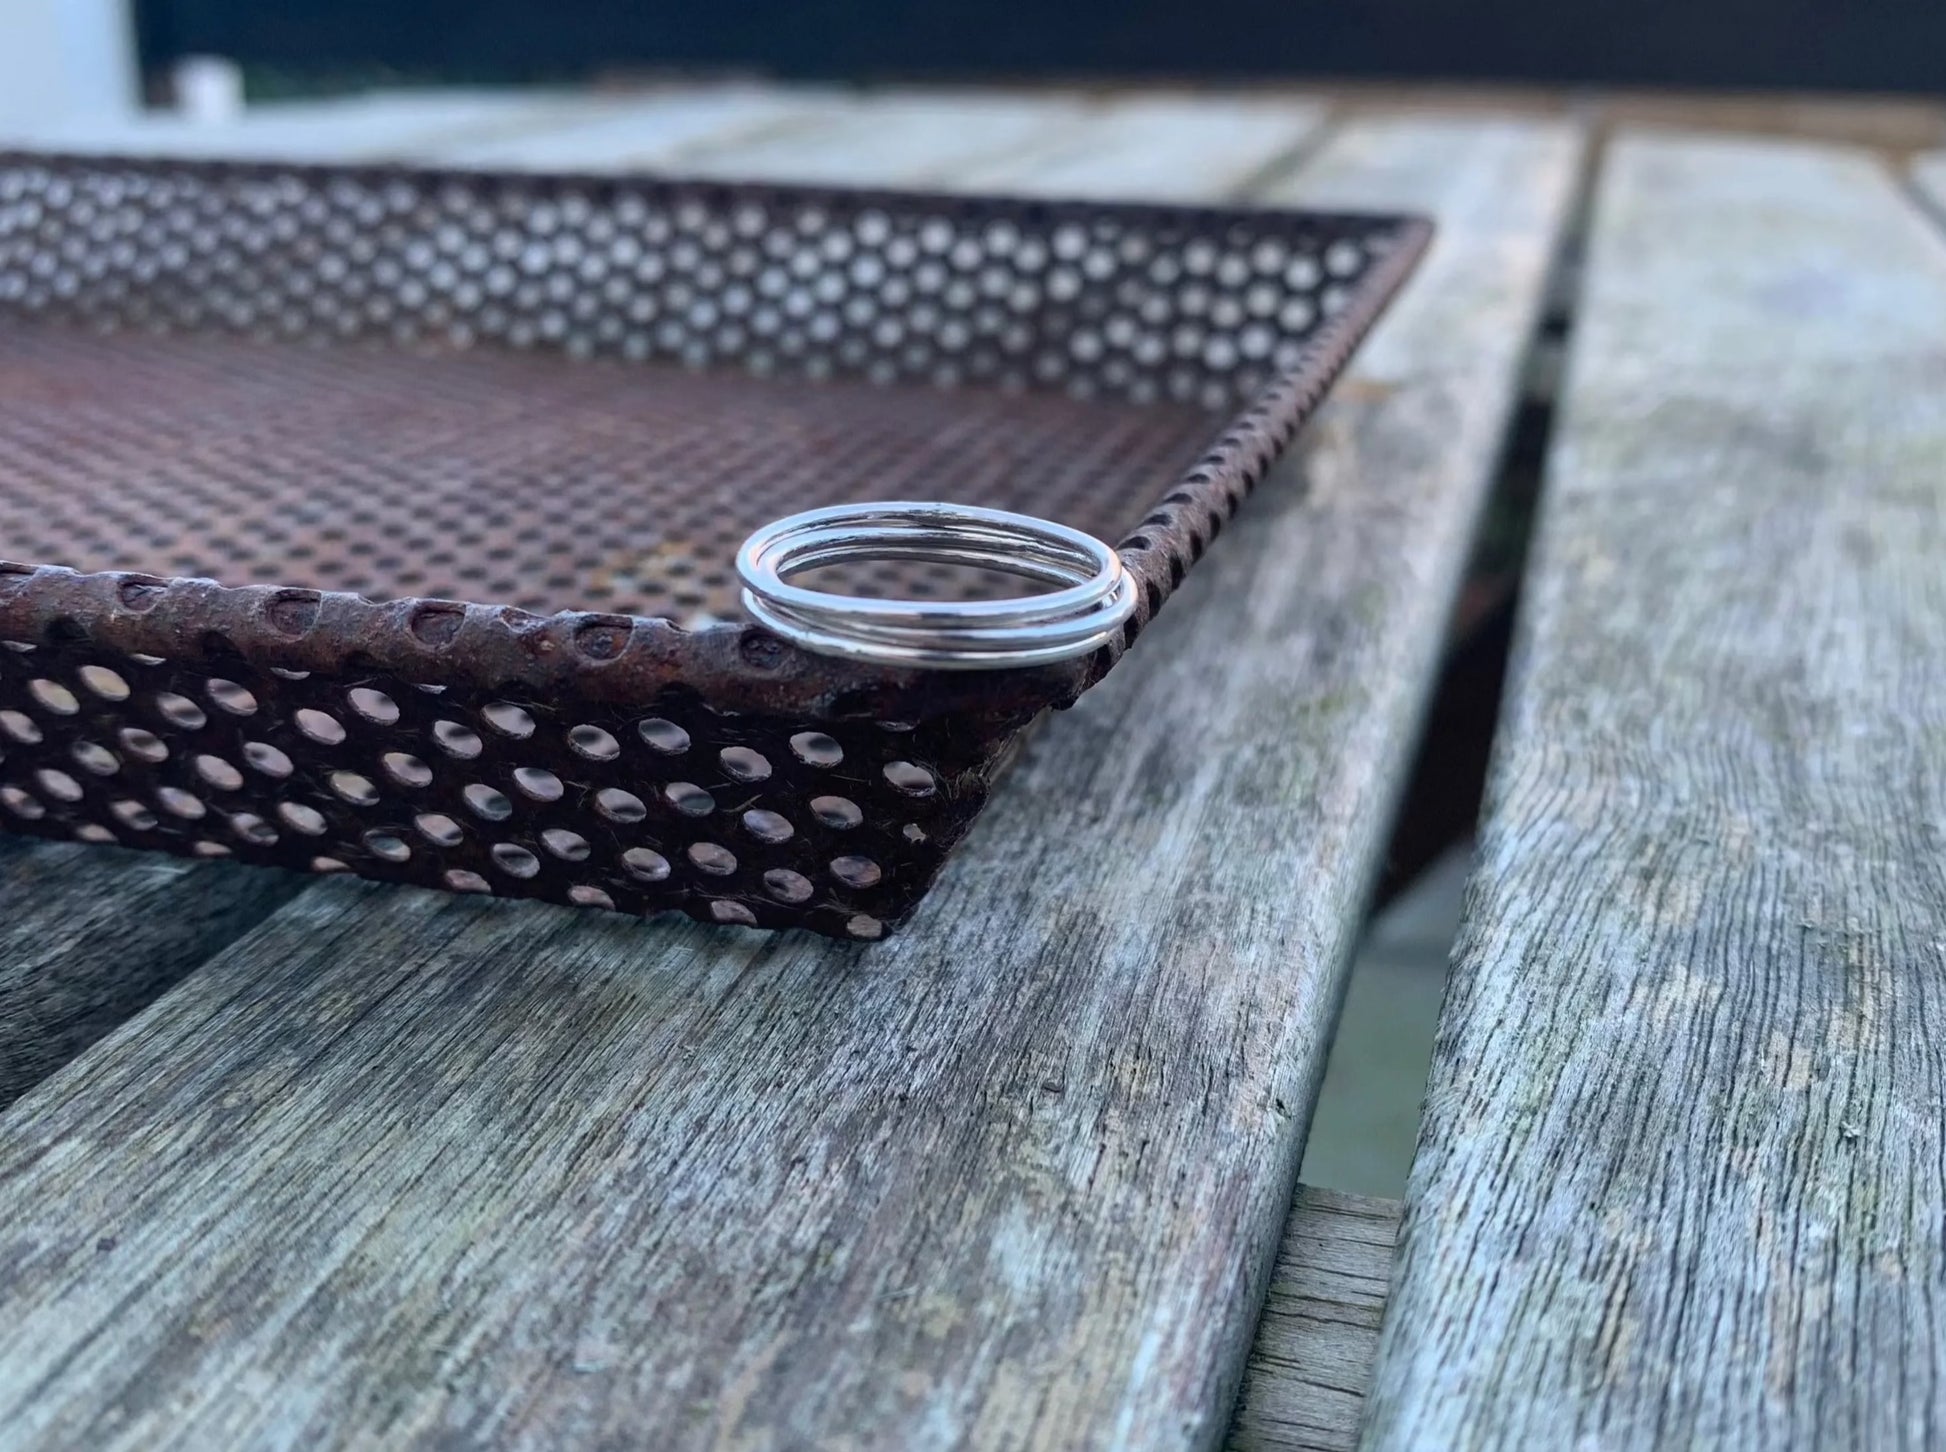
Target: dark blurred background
x: 291, y: 46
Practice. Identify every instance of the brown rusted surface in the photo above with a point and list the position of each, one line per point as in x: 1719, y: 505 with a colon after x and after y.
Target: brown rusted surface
x: 337, y: 392
x: 508, y: 479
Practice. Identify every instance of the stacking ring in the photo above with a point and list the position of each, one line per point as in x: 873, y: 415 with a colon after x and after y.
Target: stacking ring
x: 1093, y: 594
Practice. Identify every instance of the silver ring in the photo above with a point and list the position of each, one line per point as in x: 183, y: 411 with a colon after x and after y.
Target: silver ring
x: 1092, y: 595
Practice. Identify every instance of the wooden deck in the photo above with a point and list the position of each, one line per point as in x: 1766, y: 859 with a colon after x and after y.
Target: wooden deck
x: 321, y: 1164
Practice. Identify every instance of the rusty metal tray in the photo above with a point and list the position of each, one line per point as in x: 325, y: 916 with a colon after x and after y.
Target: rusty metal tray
x: 382, y: 521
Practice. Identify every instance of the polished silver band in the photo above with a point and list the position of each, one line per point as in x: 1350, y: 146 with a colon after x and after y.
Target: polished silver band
x: 1093, y: 594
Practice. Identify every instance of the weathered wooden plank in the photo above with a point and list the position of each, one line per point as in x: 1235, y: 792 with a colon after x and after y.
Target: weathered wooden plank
x: 1681, y: 1180
x: 912, y: 137
x: 1312, y: 1362
x: 1903, y: 124
x: 407, y: 1167
x: 383, y: 126
x: 1160, y: 147
x: 655, y: 130
x: 91, y: 935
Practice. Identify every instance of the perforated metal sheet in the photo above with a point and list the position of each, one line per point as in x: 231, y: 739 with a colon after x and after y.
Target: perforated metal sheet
x: 743, y: 819
x: 511, y: 480
x: 578, y: 395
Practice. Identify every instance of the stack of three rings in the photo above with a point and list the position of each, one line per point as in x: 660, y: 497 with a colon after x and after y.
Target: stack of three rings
x: 1093, y: 594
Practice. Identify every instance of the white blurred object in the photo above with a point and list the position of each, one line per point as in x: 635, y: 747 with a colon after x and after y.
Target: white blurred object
x: 64, y: 60
x: 209, y: 89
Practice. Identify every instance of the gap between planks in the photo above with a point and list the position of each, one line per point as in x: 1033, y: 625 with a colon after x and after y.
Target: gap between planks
x: 1311, y: 1365
x: 90, y: 935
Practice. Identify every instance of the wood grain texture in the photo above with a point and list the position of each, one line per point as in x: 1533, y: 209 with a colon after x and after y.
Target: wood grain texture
x: 402, y: 1168
x: 1681, y: 1180
x: 1312, y: 1362
x: 90, y: 935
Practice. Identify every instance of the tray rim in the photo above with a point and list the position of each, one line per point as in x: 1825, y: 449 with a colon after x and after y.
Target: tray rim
x: 731, y: 666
